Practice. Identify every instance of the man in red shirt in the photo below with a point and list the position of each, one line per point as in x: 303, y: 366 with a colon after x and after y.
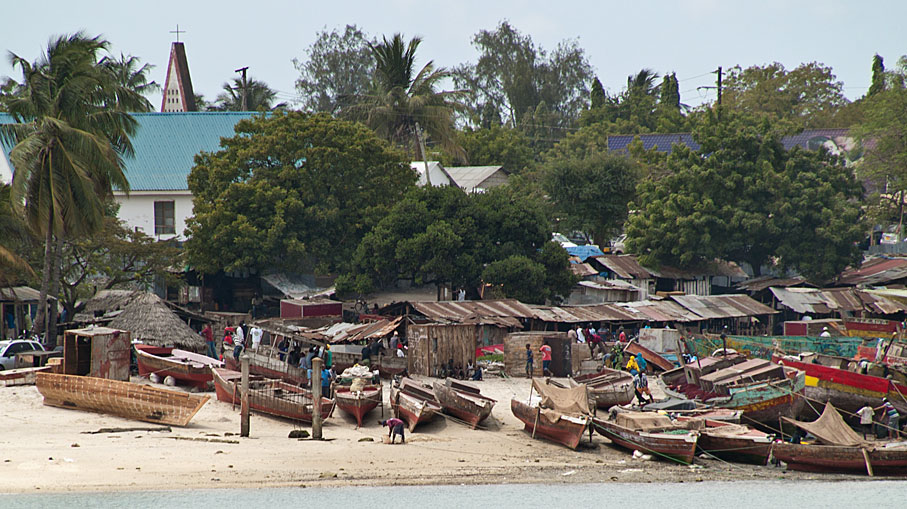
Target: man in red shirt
x: 395, y: 427
x: 546, y: 358
x: 208, y: 334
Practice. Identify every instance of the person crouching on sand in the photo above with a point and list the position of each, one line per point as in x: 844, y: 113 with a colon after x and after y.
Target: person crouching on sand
x: 395, y: 427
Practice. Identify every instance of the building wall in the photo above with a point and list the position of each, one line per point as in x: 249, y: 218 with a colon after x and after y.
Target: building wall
x: 498, y: 178
x: 432, y: 345
x: 137, y: 210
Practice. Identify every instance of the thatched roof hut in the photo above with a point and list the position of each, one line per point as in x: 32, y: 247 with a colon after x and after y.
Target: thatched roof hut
x: 152, y: 322
x: 106, y: 302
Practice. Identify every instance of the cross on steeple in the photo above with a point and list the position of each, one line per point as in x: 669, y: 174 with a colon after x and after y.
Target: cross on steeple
x: 177, y: 32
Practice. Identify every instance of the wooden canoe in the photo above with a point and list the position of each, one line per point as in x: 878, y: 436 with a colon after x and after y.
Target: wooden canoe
x: 269, y: 396
x: 22, y: 376
x: 123, y: 399
x: 411, y: 409
x: 676, y: 445
x: 188, y: 367
x: 272, y: 367
x: 562, y: 429
x: 842, y: 459
x: 650, y: 356
x: 358, y: 403
x: 463, y: 401
x: 736, y: 443
x: 609, y: 387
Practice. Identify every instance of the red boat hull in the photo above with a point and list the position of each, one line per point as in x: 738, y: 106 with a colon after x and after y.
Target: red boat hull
x: 357, y: 404
x: 681, y: 448
x: 227, y: 387
x: 265, y: 371
x: 828, y: 458
x: 154, y: 360
x: 564, y: 432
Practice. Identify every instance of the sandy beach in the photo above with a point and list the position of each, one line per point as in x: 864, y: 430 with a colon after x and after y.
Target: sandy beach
x: 53, y: 449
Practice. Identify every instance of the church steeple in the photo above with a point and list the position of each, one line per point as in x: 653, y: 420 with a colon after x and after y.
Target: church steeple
x: 178, y: 95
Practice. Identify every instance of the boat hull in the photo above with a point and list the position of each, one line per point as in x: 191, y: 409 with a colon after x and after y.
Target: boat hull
x: 840, y: 459
x: 123, y: 399
x: 470, y: 407
x: 735, y: 449
x: 609, y: 387
x: 358, y: 403
x: 565, y: 431
x: 680, y: 448
x: 766, y: 402
x: 272, y: 397
x: 268, y: 367
x: 412, y: 410
x: 191, y: 368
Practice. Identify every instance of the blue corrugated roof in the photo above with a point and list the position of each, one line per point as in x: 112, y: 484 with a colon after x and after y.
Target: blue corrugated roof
x: 166, y: 144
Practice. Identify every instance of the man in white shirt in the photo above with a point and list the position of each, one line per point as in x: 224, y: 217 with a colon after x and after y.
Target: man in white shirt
x: 580, y: 337
x: 256, y: 334
x: 866, y: 413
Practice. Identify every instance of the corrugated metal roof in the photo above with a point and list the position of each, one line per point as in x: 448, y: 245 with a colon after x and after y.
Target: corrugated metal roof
x: 662, y: 311
x: 166, y: 144
x: 583, y: 269
x: 714, y: 268
x: 473, y: 311
x: 611, y: 284
x: 808, y: 300
x: 624, y: 266
x: 471, y: 177
x: 875, y: 271
x: 20, y: 293
x: 722, y: 306
x: 586, y: 313
x: 757, y: 284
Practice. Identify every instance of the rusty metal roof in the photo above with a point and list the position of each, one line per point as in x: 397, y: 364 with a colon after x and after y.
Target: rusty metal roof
x: 722, y: 306
x: 875, y: 271
x: 661, y: 311
x: 831, y: 300
x: 583, y: 270
x: 714, y: 268
x: 623, y: 266
x: 587, y: 313
x: 757, y: 284
x: 474, y: 311
x: 610, y: 284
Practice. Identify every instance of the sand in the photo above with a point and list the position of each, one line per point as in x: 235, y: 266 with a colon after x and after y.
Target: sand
x: 51, y: 449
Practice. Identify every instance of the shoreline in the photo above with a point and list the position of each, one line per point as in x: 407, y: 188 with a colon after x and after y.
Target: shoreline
x: 46, y: 449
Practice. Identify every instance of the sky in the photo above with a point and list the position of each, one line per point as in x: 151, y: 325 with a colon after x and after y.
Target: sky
x: 689, y: 37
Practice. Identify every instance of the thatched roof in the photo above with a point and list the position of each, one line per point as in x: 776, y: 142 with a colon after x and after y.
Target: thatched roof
x: 105, y: 302
x: 151, y: 321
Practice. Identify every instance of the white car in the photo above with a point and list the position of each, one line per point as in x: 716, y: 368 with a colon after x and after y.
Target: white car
x: 617, y: 244
x: 10, y: 347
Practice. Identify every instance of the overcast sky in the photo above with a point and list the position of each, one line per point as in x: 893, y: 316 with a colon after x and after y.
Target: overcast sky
x: 691, y: 38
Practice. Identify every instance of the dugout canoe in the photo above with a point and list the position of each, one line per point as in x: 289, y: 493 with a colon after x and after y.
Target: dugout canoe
x: 412, y: 409
x: 885, y: 460
x: 123, y: 399
x: 608, y: 387
x: 649, y: 432
x: 736, y: 443
x: 269, y: 396
x: 268, y: 366
x: 358, y: 403
x: 559, y: 428
x: 463, y: 401
x: 188, y: 367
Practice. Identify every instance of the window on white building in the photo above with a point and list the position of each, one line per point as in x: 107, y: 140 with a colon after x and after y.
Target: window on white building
x: 164, y: 223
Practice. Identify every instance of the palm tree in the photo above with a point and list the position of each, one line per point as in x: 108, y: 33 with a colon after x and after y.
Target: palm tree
x: 130, y: 76
x: 259, y: 96
x: 71, y: 133
x: 401, y: 99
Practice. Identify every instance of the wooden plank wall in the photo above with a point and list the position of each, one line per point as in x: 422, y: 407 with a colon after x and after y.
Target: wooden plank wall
x: 432, y: 345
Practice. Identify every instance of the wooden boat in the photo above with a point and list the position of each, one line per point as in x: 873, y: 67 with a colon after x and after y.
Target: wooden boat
x: 388, y: 365
x: 412, y: 409
x: 359, y: 402
x: 123, y: 399
x: 762, y: 391
x: 737, y: 443
x: 838, y: 380
x: 560, y: 428
x: 650, y: 356
x: 463, y: 401
x: 189, y: 367
x: 841, y: 449
x: 608, y: 387
x: 559, y: 414
x: 649, y: 432
x: 842, y: 459
x: 22, y: 376
x: 262, y: 363
x: 269, y: 396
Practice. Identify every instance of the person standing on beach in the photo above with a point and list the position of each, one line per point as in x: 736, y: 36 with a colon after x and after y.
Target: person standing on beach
x: 255, y: 333
x: 208, y: 334
x: 238, y: 343
x: 395, y: 427
x: 545, y: 350
x: 866, y: 414
x: 528, y: 361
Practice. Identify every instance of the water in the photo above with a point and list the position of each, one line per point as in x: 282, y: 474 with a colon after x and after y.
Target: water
x: 704, y: 495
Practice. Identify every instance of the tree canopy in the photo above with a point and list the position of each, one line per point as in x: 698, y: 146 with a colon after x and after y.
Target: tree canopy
x: 440, y: 235
x: 743, y: 198
x: 338, y: 70
x: 293, y: 191
x: 259, y: 96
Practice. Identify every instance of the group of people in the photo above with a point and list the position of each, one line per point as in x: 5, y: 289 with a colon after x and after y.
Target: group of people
x: 545, y: 351
x: 867, y: 414
x: 234, y: 337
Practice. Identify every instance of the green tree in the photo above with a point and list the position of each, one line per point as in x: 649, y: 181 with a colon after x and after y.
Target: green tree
x: 15, y: 241
x: 131, y: 76
x: 805, y: 97
x: 597, y: 96
x: 742, y: 197
x: 401, y: 98
x: 591, y: 194
x: 292, y: 191
x: 259, y: 97
x: 515, y: 76
x: 495, y: 145
x: 339, y: 69
x: 71, y: 133
x: 878, y: 76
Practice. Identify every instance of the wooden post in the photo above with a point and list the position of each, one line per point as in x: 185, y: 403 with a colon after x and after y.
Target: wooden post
x: 868, y: 464
x: 244, y: 408
x: 316, y: 398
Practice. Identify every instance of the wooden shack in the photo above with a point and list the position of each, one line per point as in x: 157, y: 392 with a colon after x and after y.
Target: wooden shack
x: 433, y: 345
x: 561, y: 352
x: 100, y: 352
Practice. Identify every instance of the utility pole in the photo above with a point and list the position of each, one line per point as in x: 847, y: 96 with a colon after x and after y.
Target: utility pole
x: 245, y: 87
x: 424, y: 157
x: 244, y: 407
x: 719, y: 92
x: 316, y: 398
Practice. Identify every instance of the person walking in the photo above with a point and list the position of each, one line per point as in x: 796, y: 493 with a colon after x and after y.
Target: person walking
x: 528, y: 361
x: 545, y: 350
x: 208, y: 334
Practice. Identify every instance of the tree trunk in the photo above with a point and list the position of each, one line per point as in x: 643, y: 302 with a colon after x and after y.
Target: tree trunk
x: 51, y: 331
x: 40, y: 324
